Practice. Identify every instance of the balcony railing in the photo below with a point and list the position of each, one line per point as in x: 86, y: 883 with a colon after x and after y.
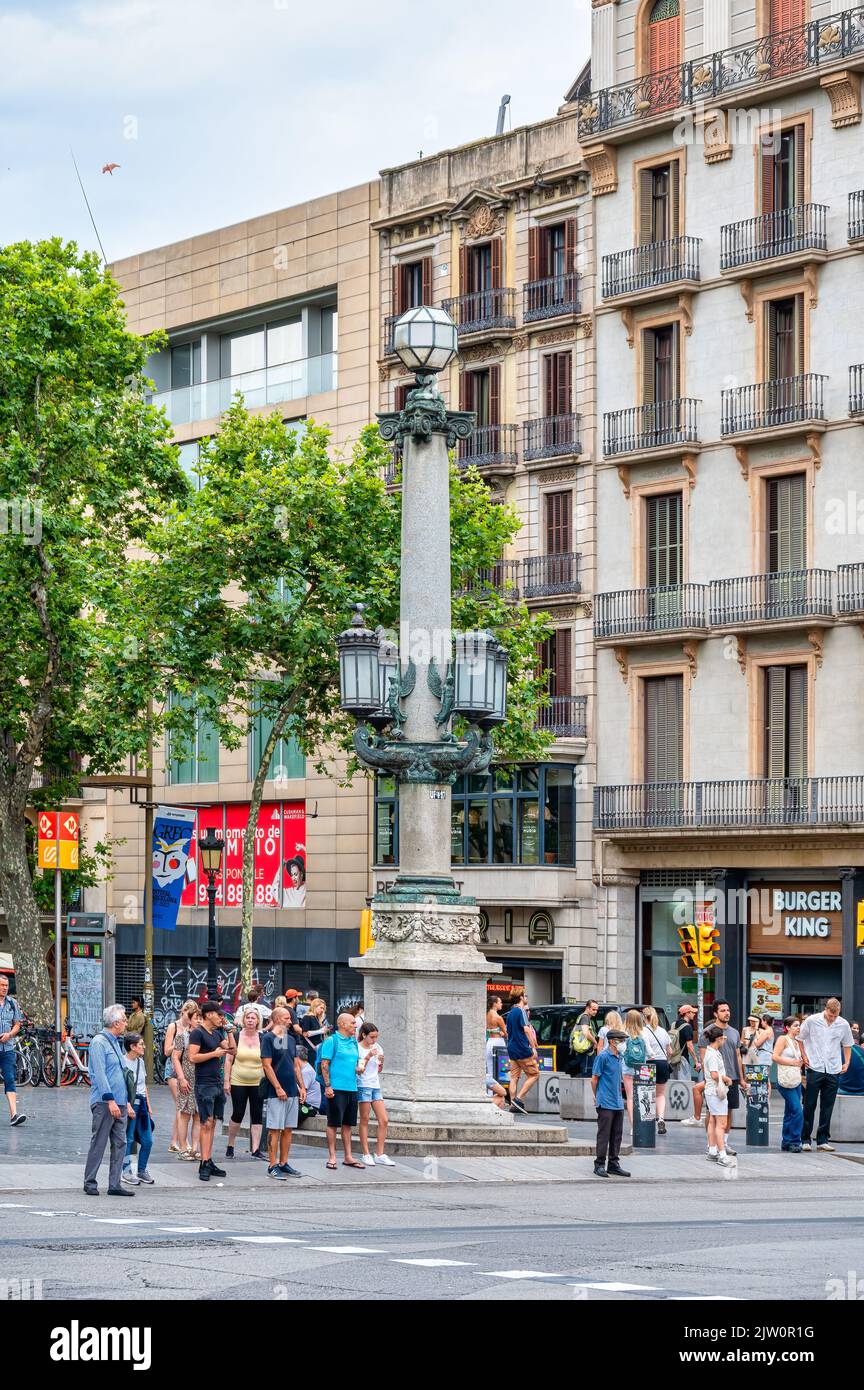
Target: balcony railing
x: 639, y: 612
x: 551, y: 437
x: 856, y: 390
x: 749, y: 66
x: 850, y: 588
x: 781, y: 233
x: 488, y: 446
x: 547, y: 575
x: 501, y: 579
x: 565, y: 716
x: 765, y: 598
x: 656, y: 263
x: 785, y: 401
x: 728, y: 805
x: 485, y: 309
x: 856, y: 215
x: 309, y: 376
x: 546, y: 299
x: 654, y: 426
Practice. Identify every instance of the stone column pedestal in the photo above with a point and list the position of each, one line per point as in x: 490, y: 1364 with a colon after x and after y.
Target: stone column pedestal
x: 425, y: 989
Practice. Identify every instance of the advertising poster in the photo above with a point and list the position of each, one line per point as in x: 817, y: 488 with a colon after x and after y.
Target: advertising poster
x: 293, y: 854
x: 195, y: 892
x: 172, y: 868
x: 280, y: 855
x: 766, y: 992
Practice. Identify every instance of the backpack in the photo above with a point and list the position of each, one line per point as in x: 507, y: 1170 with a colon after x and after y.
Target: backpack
x: 677, y: 1051
x: 578, y: 1041
x: 635, y: 1053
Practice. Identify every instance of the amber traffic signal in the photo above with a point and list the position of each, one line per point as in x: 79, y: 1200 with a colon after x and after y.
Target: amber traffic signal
x: 700, y: 947
x: 689, y: 947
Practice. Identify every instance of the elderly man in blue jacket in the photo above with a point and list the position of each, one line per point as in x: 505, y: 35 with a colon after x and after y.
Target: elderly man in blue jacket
x: 109, y: 1101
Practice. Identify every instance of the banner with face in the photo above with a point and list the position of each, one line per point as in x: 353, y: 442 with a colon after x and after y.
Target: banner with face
x: 172, y: 867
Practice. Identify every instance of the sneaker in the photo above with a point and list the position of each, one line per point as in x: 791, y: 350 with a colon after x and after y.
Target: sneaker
x: 661, y: 1126
x: 259, y: 1153
x: 616, y: 1171
x: 712, y: 1158
x: 91, y: 1189
x: 825, y: 1148
x: 731, y: 1151
x: 724, y: 1160
x: 130, y: 1178
x: 794, y: 1148
x: 146, y: 1179
x: 289, y: 1171
x: 119, y: 1192
x: 186, y: 1156
x: 18, y: 1120
x: 384, y: 1162
x: 203, y: 1172
x: 214, y: 1171
x: 276, y: 1172
x: 368, y: 1160
x: 806, y: 1147
x: 691, y: 1122
x: 600, y: 1171
x: 229, y: 1152
x: 518, y: 1107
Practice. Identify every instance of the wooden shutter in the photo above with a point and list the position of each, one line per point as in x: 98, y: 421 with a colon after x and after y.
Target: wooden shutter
x: 464, y: 286
x: 533, y: 253
x: 664, y: 728
x: 676, y: 360
x: 562, y: 662
x: 673, y: 228
x: 787, y: 523
x: 664, y: 540
x: 771, y: 342
x: 397, y: 290
x: 559, y: 523
x: 767, y: 157
x: 497, y: 261
x: 549, y: 384
x: 800, y: 319
x: 646, y: 206
x: 466, y: 391
x: 563, y: 383
x: 775, y: 721
x: 495, y: 395
x: 569, y: 245
x: 799, y: 150
x: 797, y: 722
x: 400, y: 396
x: 426, y: 278
x: 649, y: 353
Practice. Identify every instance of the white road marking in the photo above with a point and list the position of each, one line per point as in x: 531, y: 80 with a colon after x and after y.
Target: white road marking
x: 268, y: 1240
x: 520, y: 1274
x: 618, y: 1288
x: 347, y: 1249
x: 193, y: 1230
x: 120, y: 1221
x: 435, y: 1264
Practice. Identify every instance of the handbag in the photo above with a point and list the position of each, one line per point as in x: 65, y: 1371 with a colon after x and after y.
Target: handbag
x: 789, y: 1077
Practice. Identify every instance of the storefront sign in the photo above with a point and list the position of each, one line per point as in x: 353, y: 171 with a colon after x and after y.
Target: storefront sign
x: 766, y: 992
x: 804, y: 919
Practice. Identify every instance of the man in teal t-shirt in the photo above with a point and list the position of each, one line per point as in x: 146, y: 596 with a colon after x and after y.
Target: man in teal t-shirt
x: 339, y: 1057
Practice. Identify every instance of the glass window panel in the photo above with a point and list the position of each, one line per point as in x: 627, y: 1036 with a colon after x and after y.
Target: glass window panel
x: 189, y: 460
x: 181, y: 366
x: 285, y: 341
x: 529, y: 779
x: 385, y: 786
x: 329, y: 330
x: 503, y: 778
x: 558, y: 816
x: 459, y: 786
x: 385, y: 832
x: 208, y: 752
x: 478, y: 832
x: 502, y: 830
x: 457, y: 834
x: 242, y: 352
x: 479, y: 782
x: 529, y: 831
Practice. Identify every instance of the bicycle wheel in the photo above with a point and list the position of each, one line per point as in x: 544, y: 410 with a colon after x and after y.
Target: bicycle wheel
x: 48, y: 1066
x: 35, y: 1065
x: 22, y: 1067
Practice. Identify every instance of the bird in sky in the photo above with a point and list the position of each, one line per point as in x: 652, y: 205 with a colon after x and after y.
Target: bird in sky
x: 109, y: 168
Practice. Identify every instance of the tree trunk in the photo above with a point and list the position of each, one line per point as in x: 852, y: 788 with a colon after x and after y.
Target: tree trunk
x: 32, y: 983
x: 249, y: 843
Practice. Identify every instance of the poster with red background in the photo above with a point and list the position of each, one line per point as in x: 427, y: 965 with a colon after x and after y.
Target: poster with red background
x: 280, y: 837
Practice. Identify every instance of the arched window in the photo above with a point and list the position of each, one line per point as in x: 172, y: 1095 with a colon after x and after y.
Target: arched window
x: 664, y: 36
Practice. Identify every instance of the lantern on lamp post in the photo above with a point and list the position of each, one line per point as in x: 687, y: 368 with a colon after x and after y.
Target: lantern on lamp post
x: 210, y: 847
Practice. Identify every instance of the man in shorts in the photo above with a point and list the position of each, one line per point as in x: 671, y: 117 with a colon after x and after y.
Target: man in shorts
x: 339, y: 1057
x: 208, y: 1046
x: 285, y: 1092
x: 730, y: 1049
x: 521, y: 1051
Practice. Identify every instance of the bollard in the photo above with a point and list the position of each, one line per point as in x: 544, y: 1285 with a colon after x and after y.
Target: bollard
x: 645, y: 1106
x: 756, y: 1077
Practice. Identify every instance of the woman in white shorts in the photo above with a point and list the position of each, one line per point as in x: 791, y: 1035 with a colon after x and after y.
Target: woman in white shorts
x: 370, y: 1097
x: 716, y: 1090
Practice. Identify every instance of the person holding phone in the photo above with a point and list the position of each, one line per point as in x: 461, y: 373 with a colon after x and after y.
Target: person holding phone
x: 209, y: 1045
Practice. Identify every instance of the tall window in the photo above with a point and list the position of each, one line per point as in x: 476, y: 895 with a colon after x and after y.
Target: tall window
x: 787, y: 523
x: 664, y: 54
x: 784, y: 338
x: 782, y: 159
x: 558, y: 383
x: 785, y: 699
x: 665, y: 544
x: 789, y: 52
x: 658, y: 203
x: 198, y: 761
x: 481, y: 392
x: 480, y: 266
x: 664, y: 728
x: 412, y: 285
x: 287, y: 759
x: 555, y: 656
x: 558, y: 508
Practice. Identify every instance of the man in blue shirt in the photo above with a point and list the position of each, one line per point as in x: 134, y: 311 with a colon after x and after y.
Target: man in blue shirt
x: 521, y: 1051
x: 11, y: 1019
x: 338, y: 1058
x: 109, y: 1102
x: 606, y: 1077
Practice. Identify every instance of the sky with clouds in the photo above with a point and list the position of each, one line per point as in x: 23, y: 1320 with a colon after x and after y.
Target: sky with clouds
x: 218, y: 110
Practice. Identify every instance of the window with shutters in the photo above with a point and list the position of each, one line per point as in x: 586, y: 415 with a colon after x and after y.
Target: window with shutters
x: 783, y: 173
x: 480, y: 268
x: 660, y: 364
x: 785, y: 703
x: 557, y: 383
x: 786, y: 45
x: 787, y: 522
x: 412, y: 285
x: 786, y: 389
x: 658, y: 205
x: 551, y: 284
x: 663, y: 698
x: 664, y: 558
x: 559, y: 522
x: 662, y: 54
x: 555, y: 658
x: 480, y: 393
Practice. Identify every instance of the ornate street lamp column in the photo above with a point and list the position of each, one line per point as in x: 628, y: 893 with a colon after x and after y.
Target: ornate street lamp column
x: 425, y: 977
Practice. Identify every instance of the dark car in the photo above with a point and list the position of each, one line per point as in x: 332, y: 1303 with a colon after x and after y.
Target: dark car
x: 553, y: 1024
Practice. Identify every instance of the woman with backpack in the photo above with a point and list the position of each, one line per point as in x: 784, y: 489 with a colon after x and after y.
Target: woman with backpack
x: 634, y: 1054
x: 659, y: 1045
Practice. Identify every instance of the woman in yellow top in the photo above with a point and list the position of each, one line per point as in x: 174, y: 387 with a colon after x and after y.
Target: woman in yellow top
x: 243, y: 1075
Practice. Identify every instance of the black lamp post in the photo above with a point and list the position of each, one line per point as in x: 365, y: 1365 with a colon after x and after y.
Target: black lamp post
x: 210, y: 848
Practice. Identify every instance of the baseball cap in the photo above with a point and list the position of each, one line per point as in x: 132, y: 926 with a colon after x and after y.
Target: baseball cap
x: 292, y: 994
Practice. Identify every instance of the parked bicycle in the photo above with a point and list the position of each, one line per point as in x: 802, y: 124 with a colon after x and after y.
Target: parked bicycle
x: 73, y: 1059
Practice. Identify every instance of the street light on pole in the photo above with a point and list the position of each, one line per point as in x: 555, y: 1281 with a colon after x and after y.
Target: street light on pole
x: 210, y: 847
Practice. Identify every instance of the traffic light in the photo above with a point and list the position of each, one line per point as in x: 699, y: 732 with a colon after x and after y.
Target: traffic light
x: 689, y: 947
x: 709, y: 947
x: 367, y: 941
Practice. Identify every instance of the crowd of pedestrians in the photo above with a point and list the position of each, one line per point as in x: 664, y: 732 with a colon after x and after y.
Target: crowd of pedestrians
x: 277, y: 1067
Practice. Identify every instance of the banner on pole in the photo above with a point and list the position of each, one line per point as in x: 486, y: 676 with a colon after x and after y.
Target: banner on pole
x: 172, y: 865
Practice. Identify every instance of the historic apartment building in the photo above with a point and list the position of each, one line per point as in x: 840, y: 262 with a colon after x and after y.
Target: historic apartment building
x: 280, y: 307
x: 499, y: 233
x: 725, y: 145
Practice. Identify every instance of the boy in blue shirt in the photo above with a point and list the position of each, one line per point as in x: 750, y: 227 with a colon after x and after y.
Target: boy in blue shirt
x: 606, y: 1078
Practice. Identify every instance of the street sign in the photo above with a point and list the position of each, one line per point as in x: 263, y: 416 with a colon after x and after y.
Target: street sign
x: 57, y: 840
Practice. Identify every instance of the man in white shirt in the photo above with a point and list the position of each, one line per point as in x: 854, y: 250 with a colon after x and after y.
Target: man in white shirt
x: 827, y: 1041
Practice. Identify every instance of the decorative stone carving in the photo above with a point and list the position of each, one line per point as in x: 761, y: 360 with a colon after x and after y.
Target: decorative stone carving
x: 587, y: 608
x: 743, y: 456
x: 557, y: 335
x: 624, y: 475
x: 383, y: 373
x: 741, y: 645
x: 482, y: 352
x: 520, y: 342
x: 844, y: 92
x: 558, y: 475
x: 587, y: 327
x: 689, y: 462
x: 426, y: 924
x: 602, y: 161
x: 562, y: 614
x: 689, y: 650
x: 746, y: 288
x: 814, y: 444
x: 817, y: 642
x: 811, y: 280
x: 484, y: 221
x: 685, y: 305
x: 628, y: 318
x: 716, y: 145
x: 621, y: 658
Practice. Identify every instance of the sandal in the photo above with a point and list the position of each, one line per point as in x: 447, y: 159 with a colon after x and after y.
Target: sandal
x: 174, y: 1148
x: 331, y: 1166
x: 351, y: 1163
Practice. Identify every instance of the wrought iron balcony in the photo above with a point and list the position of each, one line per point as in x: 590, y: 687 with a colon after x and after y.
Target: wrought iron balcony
x: 850, y: 588
x: 787, y: 400
x: 655, y: 426
x: 747, y: 67
x: 856, y: 390
x: 389, y: 322
x: 730, y: 805
x: 565, y: 716
x: 547, y: 299
x: 856, y: 216
x: 551, y: 437
x: 786, y: 232
x: 547, y: 575
x: 501, y: 578
x: 483, y: 310
x: 647, y: 612
x: 771, y: 598
x: 647, y: 267
x: 488, y: 446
